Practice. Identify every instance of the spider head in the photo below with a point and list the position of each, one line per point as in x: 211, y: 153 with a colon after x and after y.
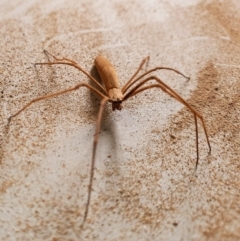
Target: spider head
x: 116, y: 105
x: 116, y: 97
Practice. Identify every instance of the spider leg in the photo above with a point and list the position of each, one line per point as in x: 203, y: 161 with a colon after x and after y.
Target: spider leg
x: 54, y: 95
x: 130, y: 83
x: 71, y: 63
x: 95, y: 142
x: 176, y: 96
x: 58, y: 59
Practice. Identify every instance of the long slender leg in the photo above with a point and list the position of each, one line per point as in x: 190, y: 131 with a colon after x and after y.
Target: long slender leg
x: 95, y: 142
x: 196, y: 126
x: 56, y: 94
x: 173, y: 94
x: 131, y: 79
x: 60, y: 59
x: 128, y: 85
x: 71, y: 63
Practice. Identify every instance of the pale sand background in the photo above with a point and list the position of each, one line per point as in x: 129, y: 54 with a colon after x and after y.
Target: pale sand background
x: 145, y: 187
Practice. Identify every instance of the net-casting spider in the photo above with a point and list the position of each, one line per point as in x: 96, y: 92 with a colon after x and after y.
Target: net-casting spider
x: 111, y: 92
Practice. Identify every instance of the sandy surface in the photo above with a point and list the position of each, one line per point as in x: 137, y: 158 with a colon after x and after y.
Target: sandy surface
x: 145, y: 187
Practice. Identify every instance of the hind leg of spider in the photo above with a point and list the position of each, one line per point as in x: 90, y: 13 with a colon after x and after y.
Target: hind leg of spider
x: 173, y: 94
x: 54, y: 95
x: 133, y: 81
x: 95, y: 142
x: 66, y: 61
x: 58, y: 59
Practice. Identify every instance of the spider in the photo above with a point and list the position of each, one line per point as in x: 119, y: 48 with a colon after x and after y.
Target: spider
x: 111, y: 92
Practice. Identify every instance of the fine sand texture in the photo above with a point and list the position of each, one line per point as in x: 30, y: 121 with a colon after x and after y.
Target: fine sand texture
x: 145, y: 185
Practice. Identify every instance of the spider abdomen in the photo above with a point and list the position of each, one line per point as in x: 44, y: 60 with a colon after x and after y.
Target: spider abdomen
x: 107, y: 73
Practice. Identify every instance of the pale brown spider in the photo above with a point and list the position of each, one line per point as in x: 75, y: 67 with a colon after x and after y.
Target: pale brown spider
x: 111, y: 92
